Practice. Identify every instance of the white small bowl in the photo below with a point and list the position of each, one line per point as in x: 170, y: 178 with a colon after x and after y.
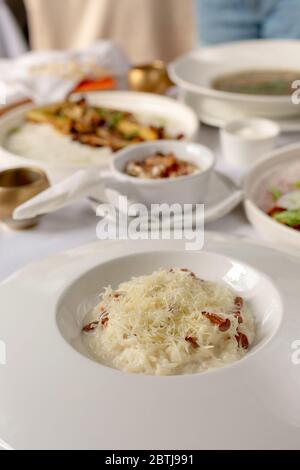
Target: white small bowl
x: 184, y: 189
x: 245, y: 141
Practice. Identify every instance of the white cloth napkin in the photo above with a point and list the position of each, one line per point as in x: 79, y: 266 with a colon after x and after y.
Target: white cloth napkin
x: 20, y: 79
x: 82, y: 184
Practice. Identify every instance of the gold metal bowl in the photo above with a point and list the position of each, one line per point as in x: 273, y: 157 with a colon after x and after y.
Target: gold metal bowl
x: 18, y: 185
x: 151, y: 78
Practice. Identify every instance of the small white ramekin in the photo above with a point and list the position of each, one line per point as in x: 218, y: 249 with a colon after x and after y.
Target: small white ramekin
x: 190, y: 189
x: 245, y: 141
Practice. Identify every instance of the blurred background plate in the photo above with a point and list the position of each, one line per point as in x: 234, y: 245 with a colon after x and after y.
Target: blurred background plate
x: 281, y: 162
x: 216, y: 118
x: 178, y: 118
x: 194, y: 72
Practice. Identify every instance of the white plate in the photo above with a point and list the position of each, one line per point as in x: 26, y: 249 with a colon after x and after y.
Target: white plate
x: 214, y: 118
x: 223, y: 196
x: 195, y: 72
x: 255, y: 181
x: 52, y: 396
x: 177, y: 117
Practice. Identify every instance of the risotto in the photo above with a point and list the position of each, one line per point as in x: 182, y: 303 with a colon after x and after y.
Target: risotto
x: 168, y: 323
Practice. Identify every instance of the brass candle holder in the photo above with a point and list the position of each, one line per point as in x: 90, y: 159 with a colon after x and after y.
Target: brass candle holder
x: 18, y: 185
x: 151, y: 78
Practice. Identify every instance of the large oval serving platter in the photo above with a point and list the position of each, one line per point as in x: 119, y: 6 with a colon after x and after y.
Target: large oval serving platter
x: 159, y: 110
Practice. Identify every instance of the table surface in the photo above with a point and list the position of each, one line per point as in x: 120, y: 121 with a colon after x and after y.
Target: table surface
x: 75, y: 225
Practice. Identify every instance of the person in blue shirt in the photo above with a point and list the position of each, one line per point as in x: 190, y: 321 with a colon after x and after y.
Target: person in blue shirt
x: 234, y: 20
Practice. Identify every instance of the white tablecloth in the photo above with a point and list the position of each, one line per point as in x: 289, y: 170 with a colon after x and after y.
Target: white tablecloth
x: 76, y: 224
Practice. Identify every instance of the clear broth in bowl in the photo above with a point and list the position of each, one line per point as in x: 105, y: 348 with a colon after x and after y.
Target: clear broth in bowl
x: 258, y: 82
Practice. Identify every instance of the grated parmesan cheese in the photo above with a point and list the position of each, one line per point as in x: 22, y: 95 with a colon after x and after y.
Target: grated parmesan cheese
x: 168, y: 323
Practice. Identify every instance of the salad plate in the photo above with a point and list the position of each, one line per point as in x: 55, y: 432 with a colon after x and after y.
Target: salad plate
x: 272, y: 196
x: 54, y: 396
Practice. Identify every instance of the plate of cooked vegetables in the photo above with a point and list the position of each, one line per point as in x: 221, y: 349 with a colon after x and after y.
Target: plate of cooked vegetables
x: 272, y: 196
x: 88, y: 129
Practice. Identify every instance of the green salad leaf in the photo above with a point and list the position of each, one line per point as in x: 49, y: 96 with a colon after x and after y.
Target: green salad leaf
x: 290, y: 217
x: 276, y: 193
x: 131, y: 135
x: 114, y: 119
x: 297, y: 184
x: 14, y: 130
